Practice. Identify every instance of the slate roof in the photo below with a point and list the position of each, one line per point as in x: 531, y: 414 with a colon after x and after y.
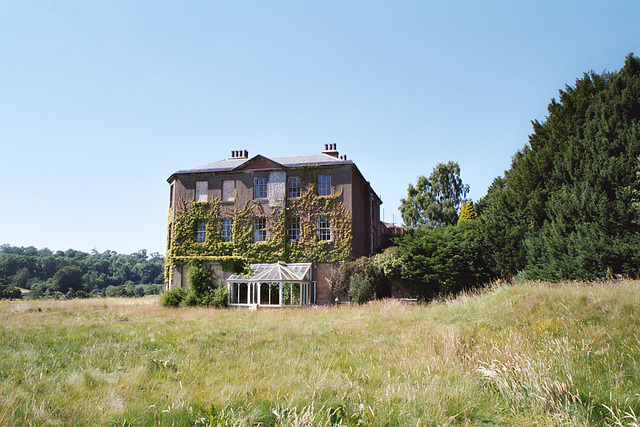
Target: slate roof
x: 289, y: 162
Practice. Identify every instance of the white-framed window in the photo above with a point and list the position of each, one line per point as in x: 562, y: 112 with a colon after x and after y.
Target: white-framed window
x: 324, y: 228
x: 228, y: 190
x: 324, y: 185
x: 202, y: 187
x: 293, y: 232
x: 259, y: 188
x: 201, y: 232
x: 227, y: 230
x: 171, y: 190
x: 293, y: 187
x: 260, y: 229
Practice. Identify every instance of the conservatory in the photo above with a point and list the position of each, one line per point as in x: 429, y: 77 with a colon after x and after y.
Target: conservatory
x: 273, y: 285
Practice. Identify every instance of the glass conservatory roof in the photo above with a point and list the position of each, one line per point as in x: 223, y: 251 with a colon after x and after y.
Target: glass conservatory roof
x: 278, y: 272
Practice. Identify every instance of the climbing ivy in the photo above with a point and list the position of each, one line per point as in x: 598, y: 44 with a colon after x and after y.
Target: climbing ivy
x: 237, y: 254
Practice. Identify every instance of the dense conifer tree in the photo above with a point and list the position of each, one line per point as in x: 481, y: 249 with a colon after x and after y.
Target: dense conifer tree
x: 566, y: 208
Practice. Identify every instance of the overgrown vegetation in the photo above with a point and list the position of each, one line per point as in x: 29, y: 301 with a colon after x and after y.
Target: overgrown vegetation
x: 183, y: 248
x: 361, y: 280
x: 523, y: 354
x: 203, y: 290
x: 568, y: 208
x: 75, y: 274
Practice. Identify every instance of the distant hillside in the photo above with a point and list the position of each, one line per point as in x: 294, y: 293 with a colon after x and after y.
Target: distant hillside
x: 79, y: 274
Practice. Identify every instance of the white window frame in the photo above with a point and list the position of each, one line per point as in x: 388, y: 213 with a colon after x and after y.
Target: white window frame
x: 201, y: 232
x: 323, y: 227
x: 260, y: 188
x: 260, y: 229
x: 324, y: 185
x: 293, y: 187
x: 294, y: 230
x: 202, y: 189
x: 227, y: 230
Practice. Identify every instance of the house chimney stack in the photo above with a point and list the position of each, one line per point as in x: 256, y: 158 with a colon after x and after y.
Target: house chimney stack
x: 239, y: 154
x: 331, y: 150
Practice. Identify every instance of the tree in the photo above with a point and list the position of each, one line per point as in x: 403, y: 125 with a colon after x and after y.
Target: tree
x: 467, y: 213
x: 69, y: 277
x: 565, y: 209
x: 436, y: 200
x: 443, y: 260
x: 8, y: 291
x: 21, y: 278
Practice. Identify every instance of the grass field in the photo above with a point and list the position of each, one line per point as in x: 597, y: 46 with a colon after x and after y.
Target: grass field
x: 527, y: 354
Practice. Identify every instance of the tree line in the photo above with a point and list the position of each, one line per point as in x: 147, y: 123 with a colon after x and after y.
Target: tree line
x: 568, y: 208
x: 76, y: 274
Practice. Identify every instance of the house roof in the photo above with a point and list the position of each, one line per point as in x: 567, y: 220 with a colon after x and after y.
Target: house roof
x: 288, y: 162
x: 278, y: 272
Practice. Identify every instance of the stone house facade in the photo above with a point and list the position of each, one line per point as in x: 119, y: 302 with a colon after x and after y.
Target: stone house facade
x: 285, y: 212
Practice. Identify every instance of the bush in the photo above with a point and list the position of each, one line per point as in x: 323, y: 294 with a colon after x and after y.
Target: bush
x: 362, y: 280
x: 220, y: 297
x: 8, y: 291
x: 360, y: 289
x: 443, y: 260
x: 190, y: 299
x: 174, y: 297
x: 200, y: 281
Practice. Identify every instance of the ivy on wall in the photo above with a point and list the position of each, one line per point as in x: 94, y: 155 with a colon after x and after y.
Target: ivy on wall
x: 182, y: 248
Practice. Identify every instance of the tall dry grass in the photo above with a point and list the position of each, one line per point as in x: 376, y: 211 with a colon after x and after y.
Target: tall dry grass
x: 532, y: 354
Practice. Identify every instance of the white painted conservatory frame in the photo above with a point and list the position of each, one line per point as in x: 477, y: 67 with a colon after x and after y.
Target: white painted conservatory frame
x: 273, y: 285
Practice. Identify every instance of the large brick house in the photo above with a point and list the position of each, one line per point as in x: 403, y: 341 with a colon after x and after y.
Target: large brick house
x: 292, y: 219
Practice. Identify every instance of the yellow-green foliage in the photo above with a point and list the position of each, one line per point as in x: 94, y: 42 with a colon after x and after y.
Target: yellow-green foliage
x: 527, y: 354
x: 467, y: 213
x: 183, y: 248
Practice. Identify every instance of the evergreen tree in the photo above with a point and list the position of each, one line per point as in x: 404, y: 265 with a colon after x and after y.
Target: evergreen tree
x: 566, y: 209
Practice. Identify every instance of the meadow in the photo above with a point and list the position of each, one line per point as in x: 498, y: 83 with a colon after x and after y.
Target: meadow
x: 513, y: 354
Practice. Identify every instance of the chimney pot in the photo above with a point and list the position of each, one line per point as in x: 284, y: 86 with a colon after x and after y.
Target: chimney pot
x: 246, y: 154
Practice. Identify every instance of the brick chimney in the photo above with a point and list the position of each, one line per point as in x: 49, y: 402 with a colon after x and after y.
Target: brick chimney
x: 331, y: 150
x: 239, y: 154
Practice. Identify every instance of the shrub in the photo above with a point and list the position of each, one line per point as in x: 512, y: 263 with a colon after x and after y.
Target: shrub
x: 190, y: 298
x: 174, y: 297
x: 360, y: 289
x: 367, y: 280
x: 220, y: 297
x: 8, y: 291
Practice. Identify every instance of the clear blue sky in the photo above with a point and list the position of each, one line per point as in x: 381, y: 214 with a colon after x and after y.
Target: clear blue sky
x: 102, y: 100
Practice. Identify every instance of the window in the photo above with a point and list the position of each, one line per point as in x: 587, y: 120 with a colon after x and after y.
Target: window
x: 260, y: 229
x: 293, y: 232
x: 227, y: 230
x: 228, y: 190
x: 324, y: 185
x: 260, y: 188
x: 293, y: 187
x: 201, y: 233
x: 324, y: 230
x: 201, y: 191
